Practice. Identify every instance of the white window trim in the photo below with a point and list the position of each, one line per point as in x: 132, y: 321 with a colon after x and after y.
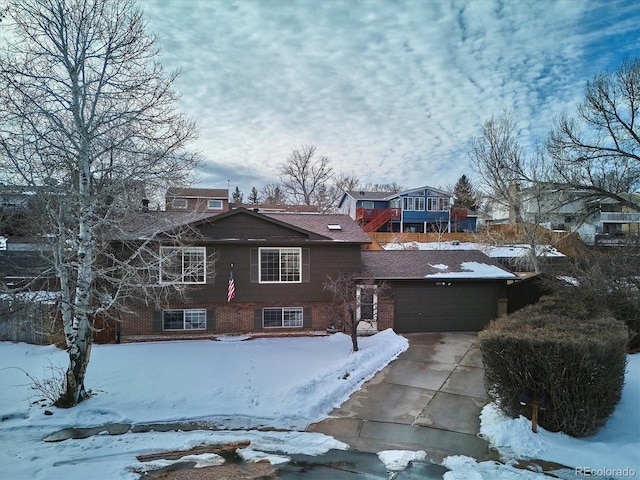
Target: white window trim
x: 282, y: 311
x: 280, y: 249
x: 218, y: 202
x: 201, y: 310
x: 416, y: 201
x: 181, y: 281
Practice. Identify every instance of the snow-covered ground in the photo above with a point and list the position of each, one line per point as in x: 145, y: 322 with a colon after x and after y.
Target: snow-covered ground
x: 285, y: 383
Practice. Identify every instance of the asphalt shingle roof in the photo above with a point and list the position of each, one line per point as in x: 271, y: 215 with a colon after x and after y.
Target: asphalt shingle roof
x: 319, y: 223
x: 420, y: 264
x: 145, y: 225
x: 198, y: 192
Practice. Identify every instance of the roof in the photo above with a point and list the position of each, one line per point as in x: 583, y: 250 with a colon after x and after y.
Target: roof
x: 277, y: 208
x: 146, y: 225
x: 432, y: 264
x: 143, y: 225
x: 319, y: 223
x: 198, y: 192
x: 426, y: 187
x: 362, y: 195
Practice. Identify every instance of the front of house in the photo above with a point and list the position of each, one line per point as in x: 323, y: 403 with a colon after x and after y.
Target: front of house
x: 279, y: 263
x: 257, y: 273
x: 419, y: 210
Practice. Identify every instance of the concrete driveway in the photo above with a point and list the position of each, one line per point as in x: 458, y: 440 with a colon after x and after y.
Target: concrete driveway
x: 428, y: 399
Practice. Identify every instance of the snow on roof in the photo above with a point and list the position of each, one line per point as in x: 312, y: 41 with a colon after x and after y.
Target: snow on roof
x: 434, y: 264
x: 473, y: 270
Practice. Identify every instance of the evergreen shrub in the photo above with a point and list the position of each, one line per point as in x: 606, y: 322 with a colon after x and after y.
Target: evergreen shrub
x: 577, y: 362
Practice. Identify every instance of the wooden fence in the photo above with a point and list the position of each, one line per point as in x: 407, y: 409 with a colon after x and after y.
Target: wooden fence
x: 566, y: 242
x: 23, y: 320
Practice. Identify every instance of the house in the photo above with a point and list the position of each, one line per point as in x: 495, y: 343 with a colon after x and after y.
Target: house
x: 279, y: 263
x: 598, y: 220
x: 419, y: 210
x: 197, y: 199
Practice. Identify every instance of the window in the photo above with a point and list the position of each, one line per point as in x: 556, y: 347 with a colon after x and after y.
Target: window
x: 280, y: 265
x: 282, y: 317
x: 368, y: 205
x: 443, y: 204
x: 182, y: 264
x: 179, y: 203
x: 432, y: 204
x: 214, y: 204
x: 418, y: 203
x: 407, y: 203
x: 191, y: 319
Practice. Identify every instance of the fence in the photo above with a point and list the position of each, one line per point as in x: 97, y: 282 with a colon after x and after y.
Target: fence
x: 566, y: 242
x: 27, y: 320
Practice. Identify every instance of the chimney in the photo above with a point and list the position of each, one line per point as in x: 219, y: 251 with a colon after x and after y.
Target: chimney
x: 145, y: 205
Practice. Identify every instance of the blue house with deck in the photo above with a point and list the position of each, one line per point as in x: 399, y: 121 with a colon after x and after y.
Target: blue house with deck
x: 419, y: 210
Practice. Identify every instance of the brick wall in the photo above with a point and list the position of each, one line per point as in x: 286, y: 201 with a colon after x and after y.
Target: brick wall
x: 238, y: 318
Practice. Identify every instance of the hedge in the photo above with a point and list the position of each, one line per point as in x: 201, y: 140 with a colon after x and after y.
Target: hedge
x: 578, y: 363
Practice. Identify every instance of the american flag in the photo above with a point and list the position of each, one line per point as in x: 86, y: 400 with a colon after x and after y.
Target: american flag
x: 231, y: 291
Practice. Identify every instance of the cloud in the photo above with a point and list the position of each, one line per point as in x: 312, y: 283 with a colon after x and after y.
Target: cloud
x: 392, y: 91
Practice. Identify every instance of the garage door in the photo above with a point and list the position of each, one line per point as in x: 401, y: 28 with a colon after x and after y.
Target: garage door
x: 453, y: 308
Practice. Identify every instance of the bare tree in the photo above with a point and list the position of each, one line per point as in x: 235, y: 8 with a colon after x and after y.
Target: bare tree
x: 497, y: 157
x: 327, y: 198
x: 352, y: 297
x: 87, y: 112
x: 273, y: 194
x: 515, y: 181
x: 598, y: 150
x: 303, y: 172
x: 383, y: 187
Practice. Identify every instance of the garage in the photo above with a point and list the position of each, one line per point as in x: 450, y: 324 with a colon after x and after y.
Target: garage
x: 444, y: 306
x: 440, y: 290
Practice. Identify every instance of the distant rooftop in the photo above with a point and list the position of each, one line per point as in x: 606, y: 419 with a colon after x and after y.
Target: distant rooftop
x: 198, y: 192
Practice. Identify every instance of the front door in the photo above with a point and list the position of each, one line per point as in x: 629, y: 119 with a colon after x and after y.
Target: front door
x: 367, y: 299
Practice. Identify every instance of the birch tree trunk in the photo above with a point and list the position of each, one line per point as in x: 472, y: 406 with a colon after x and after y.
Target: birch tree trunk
x: 88, y: 115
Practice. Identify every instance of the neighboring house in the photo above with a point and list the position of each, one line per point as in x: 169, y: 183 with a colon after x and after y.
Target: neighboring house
x: 213, y: 200
x: 280, y: 263
x: 600, y: 221
x: 419, y: 210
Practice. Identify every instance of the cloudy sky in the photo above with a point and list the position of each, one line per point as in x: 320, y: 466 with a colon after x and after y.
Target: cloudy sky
x: 390, y: 90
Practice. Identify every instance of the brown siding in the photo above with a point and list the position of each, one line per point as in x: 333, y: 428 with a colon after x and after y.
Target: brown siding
x: 324, y: 261
x: 248, y: 227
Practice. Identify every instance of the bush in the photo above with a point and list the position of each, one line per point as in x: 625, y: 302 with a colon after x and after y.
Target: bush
x: 579, y: 363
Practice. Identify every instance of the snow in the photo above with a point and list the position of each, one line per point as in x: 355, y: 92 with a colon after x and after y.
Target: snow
x: 493, y: 251
x: 615, y: 447
x: 472, y: 270
x: 398, y: 460
x: 283, y: 384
